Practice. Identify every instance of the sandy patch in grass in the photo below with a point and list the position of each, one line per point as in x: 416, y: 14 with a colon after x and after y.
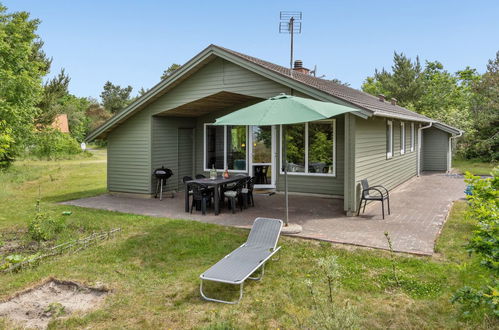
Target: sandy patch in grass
x: 35, y: 307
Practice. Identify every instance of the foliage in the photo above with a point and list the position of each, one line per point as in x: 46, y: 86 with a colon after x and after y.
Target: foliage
x: 465, y: 99
x: 171, y: 69
x: 327, y: 312
x: 114, y: 97
x: 96, y: 114
x: 53, y: 90
x: 484, y: 143
x: 6, y: 145
x: 22, y: 66
x: 483, y: 200
x: 484, y: 208
x: 52, y: 144
x: 472, y: 299
x: 43, y: 226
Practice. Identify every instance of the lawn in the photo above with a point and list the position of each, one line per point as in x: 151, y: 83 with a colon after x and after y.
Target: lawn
x: 476, y: 167
x: 152, y: 266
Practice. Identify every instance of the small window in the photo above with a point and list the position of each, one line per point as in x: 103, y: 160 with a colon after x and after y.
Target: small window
x: 412, y: 137
x: 402, y: 138
x: 389, y: 139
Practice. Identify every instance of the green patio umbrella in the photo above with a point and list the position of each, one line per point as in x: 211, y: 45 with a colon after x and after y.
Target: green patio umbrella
x: 282, y: 110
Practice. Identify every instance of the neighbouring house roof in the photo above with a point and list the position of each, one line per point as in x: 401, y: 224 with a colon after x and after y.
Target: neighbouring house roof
x: 60, y: 123
x: 369, y: 104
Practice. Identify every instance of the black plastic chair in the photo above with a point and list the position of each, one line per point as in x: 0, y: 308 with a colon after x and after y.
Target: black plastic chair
x: 201, y: 196
x: 381, y: 195
x: 234, y: 195
x: 184, y: 180
x: 200, y: 176
x: 247, y: 192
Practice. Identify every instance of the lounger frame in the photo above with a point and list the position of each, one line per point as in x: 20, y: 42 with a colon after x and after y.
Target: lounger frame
x: 261, y: 265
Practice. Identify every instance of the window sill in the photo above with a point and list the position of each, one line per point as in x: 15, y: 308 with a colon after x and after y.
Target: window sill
x: 332, y: 175
x: 221, y: 170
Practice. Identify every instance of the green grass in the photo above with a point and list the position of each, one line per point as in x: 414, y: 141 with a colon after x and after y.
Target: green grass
x: 152, y: 267
x: 475, y: 167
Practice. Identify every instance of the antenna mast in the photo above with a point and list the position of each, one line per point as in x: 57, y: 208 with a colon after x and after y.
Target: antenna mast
x: 290, y: 23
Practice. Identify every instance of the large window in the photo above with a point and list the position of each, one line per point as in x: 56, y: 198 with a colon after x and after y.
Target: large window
x: 402, y: 138
x: 225, y: 147
x: 389, y: 139
x: 310, y: 148
x: 412, y: 137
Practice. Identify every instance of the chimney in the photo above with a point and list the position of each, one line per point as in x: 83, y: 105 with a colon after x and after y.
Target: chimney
x: 393, y: 101
x: 299, y: 67
x: 381, y: 97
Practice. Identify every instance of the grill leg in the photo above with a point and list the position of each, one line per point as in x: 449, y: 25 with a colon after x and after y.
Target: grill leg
x: 388, y: 201
x: 157, y: 186
x: 383, y: 208
x: 161, y: 189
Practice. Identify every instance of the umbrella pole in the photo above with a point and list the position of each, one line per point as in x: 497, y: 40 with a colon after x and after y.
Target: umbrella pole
x: 286, y: 177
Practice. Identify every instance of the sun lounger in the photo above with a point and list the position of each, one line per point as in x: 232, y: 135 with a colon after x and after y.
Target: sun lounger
x: 241, y: 263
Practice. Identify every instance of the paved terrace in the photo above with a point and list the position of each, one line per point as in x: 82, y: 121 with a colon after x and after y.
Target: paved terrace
x: 419, y: 209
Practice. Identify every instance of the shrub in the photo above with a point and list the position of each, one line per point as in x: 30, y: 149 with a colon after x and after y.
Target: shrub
x: 6, y: 145
x: 327, y: 312
x: 483, y: 200
x: 52, y: 144
x: 43, y: 226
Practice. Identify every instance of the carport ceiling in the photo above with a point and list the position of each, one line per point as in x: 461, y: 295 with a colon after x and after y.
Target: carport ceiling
x: 212, y: 103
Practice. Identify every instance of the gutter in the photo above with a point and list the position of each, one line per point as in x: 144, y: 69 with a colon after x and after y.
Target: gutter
x: 449, y: 154
x: 420, y: 140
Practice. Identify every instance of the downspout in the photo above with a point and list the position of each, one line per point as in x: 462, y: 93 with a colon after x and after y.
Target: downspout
x: 420, y: 143
x: 449, y: 156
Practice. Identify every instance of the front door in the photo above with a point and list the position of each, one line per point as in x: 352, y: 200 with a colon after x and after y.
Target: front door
x: 262, y: 155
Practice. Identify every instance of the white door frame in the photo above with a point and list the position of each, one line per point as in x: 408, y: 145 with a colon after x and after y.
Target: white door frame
x: 273, y: 162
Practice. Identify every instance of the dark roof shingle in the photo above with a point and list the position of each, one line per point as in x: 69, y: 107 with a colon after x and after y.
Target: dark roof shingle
x: 351, y: 95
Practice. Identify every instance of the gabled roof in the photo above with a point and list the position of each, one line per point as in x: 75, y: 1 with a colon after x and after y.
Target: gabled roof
x: 325, y: 90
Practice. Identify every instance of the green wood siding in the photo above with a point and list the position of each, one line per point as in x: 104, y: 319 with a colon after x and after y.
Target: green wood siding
x: 165, y: 147
x: 370, y: 154
x: 435, y: 150
x: 145, y: 141
x: 128, y: 166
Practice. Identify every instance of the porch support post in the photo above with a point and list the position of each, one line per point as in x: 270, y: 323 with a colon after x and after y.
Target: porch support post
x: 349, y: 188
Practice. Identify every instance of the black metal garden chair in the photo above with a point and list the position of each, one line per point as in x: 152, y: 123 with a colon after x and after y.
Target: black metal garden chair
x: 381, y: 194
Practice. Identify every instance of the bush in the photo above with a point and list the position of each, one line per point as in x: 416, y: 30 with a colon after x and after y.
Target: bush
x: 43, y: 226
x: 483, y: 200
x: 52, y: 144
x: 6, y: 145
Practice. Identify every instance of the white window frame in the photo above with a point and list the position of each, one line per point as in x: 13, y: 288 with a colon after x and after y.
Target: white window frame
x: 225, y: 150
x: 412, y: 137
x: 402, y: 138
x: 389, y: 154
x: 333, y: 174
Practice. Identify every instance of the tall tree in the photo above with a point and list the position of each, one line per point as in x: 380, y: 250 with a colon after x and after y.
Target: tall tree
x: 404, y: 82
x: 114, y: 97
x: 485, y: 143
x: 172, y: 68
x: 53, y: 91
x: 22, y: 66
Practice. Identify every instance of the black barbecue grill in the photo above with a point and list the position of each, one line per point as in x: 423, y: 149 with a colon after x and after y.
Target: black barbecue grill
x: 162, y: 174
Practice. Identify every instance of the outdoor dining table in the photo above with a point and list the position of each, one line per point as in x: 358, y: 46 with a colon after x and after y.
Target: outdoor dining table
x: 216, y: 184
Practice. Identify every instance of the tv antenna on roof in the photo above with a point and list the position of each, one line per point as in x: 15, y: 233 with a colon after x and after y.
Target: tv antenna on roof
x: 290, y: 23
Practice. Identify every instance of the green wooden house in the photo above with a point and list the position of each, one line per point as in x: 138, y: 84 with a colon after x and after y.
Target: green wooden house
x: 170, y: 126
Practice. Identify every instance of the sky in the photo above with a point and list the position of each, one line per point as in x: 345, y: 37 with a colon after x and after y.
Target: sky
x: 132, y: 42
